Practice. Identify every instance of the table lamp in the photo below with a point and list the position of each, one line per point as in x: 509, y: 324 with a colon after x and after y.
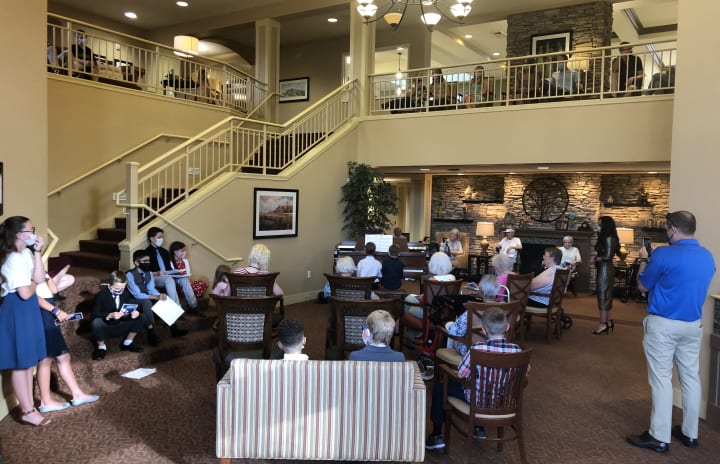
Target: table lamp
x: 484, y: 229
x: 626, y: 236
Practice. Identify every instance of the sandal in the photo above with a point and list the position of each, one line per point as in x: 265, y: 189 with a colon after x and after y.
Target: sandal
x: 45, y: 421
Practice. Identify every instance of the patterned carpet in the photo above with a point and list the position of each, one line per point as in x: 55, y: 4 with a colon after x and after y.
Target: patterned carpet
x: 585, y: 394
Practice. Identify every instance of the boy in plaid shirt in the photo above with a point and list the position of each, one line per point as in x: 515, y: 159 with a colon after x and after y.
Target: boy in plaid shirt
x: 495, y: 326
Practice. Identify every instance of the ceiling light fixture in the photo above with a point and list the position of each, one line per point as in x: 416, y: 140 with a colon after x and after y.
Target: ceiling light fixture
x: 182, y: 4
x: 130, y: 14
x: 431, y: 11
x: 398, y: 74
x: 543, y: 168
x: 332, y: 20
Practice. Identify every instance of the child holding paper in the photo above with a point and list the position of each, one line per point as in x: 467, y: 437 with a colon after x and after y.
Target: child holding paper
x: 109, y: 320
x: 141, y: 284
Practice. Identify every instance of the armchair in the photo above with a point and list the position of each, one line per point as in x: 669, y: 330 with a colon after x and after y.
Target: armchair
x: 554, y: 309
x: 350, y: 315
x: 245, y: 329
x: 500, y: 378
x: 461, y: 261
x: 519, y: 288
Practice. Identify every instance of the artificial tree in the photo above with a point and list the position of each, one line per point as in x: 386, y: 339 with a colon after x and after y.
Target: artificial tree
x: 367, y: 200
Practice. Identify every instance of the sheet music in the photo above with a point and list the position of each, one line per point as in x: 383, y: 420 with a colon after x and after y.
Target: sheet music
x: 382, y: 242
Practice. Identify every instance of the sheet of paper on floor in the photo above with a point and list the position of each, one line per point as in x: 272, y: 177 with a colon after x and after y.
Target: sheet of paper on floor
x: 139, y: 373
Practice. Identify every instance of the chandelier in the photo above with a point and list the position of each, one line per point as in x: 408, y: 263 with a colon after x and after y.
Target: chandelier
x: 431, y: 11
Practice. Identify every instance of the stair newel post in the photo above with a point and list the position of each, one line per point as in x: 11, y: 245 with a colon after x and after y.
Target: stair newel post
x: 186, y: 177
x: 265, y: 148
x: 133, y: 194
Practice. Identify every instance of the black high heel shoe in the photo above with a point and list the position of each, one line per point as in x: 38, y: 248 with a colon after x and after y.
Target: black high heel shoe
x: 611, y: 325
x: 602, y: 331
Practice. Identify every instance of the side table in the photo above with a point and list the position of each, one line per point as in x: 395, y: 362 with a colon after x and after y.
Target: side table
x: 482, y: 265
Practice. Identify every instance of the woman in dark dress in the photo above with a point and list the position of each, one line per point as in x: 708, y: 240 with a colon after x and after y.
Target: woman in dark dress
x: 607, y: 246
x: 22, y: 337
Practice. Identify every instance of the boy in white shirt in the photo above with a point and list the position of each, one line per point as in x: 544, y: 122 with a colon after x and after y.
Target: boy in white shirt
x: 369, y: 266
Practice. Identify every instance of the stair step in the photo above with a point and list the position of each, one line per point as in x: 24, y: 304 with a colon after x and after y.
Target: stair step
x: 93, y: 260
x: 120, y: 222
x: 108, y: 247
x: 115, y: 234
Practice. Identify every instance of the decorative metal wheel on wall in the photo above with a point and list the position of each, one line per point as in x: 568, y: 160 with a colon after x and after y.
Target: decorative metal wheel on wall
x: 545, y: 199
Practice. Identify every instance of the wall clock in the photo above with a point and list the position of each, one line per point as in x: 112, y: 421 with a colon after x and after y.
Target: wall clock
x: 545, y: 199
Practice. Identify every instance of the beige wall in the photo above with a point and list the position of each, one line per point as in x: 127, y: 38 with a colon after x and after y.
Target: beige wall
x: 23, y: 131
x: 321, y: 61
x: 224, y: 219
x: 695, y: 163
x: 612, y: 132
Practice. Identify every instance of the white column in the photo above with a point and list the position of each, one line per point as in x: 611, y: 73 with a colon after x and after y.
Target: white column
x: 267, y: 61
x: 695, y: 138
x: 362, y: 57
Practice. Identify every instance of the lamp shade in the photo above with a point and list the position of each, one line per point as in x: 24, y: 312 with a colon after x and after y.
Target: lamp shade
x: 626, y: 235
x: 187, y: 44
x: 485, y: 229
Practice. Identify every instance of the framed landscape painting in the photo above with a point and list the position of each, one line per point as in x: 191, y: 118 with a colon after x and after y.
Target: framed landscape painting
x: 292, y: 90
x: 275, y: 213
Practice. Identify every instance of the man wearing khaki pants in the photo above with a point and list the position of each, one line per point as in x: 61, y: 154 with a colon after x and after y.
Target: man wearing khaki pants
x: 677, y: 278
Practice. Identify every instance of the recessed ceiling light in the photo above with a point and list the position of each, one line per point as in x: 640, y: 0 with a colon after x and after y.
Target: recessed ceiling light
x: 652, y: 172
x: 424, y: 169
x: 460, y: 174
x: 400, y: 49
x: 183, y: 4
x: 468, y: 36
x: 512, y: 173
x: 332, y: 20
x: 543, y: 168
x: 130, y: 14
x: 496, y: 54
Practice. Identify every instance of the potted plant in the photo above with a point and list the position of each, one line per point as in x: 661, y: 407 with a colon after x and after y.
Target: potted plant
x: 367, y: 201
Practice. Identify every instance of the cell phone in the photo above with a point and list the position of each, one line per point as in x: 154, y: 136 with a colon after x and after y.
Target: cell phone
x: 72, y: 317
x: 128, y: 308
x: 647, y: 244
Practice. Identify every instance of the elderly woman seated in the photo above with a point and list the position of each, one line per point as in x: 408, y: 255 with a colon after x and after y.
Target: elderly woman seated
x: 259, y: 263
x: 440, y: 269
x: 345, y: 267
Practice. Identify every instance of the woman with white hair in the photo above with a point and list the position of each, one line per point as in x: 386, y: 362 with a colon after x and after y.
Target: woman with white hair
x: 345, y: 267
x: 259, y: 263
x: 503, y: 266
x: 439, y: 268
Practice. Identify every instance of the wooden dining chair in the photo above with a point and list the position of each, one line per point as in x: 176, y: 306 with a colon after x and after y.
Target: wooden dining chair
x: 245, y: 328
x: 554, y: 310
x: 519, y: 288
x: 497, y: 382
x: 351, y: 315
x: 432, y: 289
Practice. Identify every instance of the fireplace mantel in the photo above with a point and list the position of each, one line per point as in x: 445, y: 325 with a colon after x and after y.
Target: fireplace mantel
x: 536, y: 240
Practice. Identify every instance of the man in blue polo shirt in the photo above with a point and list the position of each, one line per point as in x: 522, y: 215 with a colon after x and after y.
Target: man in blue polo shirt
x: 677, y: 279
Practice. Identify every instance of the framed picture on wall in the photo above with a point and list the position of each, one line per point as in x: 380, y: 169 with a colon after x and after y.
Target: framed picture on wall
x: 275, y: 213
x: 293, y: 90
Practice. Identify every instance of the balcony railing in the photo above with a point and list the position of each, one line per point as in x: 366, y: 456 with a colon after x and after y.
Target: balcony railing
x: 86, y: 51
x: 596, y: 73
x: 232, y: 145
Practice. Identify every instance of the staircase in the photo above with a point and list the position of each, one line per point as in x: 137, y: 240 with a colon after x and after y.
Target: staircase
x: 91, y: 266
x: 97, y: 255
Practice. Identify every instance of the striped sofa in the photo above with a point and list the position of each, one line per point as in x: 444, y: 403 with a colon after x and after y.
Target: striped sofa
x: 321, y: 410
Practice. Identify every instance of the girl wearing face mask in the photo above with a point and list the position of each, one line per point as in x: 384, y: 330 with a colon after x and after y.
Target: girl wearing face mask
x: 179, y: 261
x: 608, y: 245
x: 22, y: 337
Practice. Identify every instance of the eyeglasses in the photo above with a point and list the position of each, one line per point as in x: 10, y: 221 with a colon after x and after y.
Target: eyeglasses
x: 28, y: 231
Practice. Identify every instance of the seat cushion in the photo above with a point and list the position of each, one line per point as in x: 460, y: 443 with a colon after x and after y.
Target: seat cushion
x: 464, y: 408
x: 449, y: 356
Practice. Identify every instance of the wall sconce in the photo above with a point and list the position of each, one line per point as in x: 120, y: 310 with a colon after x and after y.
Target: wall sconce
x: 626, y: 237
x: 484, y: 229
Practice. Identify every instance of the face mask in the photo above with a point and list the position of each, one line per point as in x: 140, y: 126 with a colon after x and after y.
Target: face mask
x: 158, y: 242
x: 30, y: 241
x: 599, y: 229
x: 145, y: 267
x: 115, y: 292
